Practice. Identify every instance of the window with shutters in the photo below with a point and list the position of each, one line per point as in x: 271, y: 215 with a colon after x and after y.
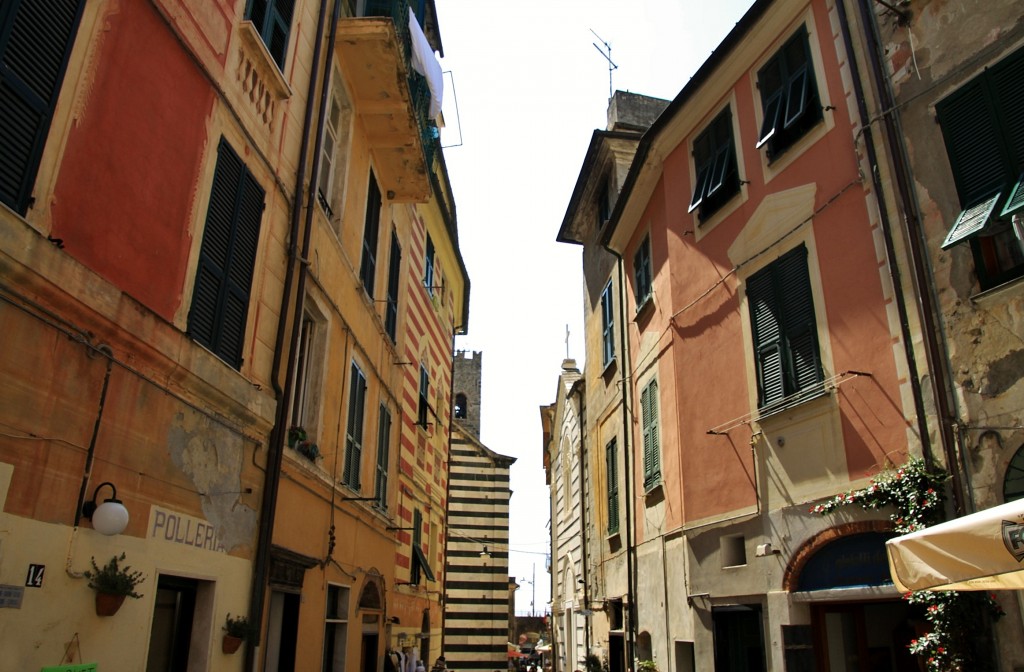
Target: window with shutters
x: 308, y: 368
x: 419, y: 567
x: 354, y: 428
x: 35, y: 44
x: 423, y: 407
x: 611, y: 461
x: 714, y: 161
x: 227, y: 258
x: 789, y: 96
x: 983, y: 128
x: 391, y: 307
x: 334, y: 149
x: 273, y: 21
x: 336, y: 628
x: 428, y: 267
x: 380, y: 488
x: 607, y: 326
x: 652, y: 447
x: 642, y: 273
x: 784, y: 332
x: 371, y: 235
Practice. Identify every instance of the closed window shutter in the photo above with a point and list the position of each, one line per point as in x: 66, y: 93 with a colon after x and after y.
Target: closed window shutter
x: 612, y: 470
x: 1008, y: 90
x: 767, y: 334
x: 803, y: 365
x: 383, y: 445
x: 354, y: 436
x: 36, y: 37
x: 391, y: 310
x: 649, y: 410
x: 220, y: 299
x: 371, y: 234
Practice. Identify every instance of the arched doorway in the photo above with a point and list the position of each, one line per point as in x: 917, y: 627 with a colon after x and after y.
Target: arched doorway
x: 858, y: 621
x: 371, y: 610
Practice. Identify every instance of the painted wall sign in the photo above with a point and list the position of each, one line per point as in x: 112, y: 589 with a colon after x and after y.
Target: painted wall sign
x: 35, y: 576
x: 10, y: 597
x: 184, y: 529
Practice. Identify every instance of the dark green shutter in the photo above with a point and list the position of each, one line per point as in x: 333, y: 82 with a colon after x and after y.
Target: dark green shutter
x: 612, y: 486
x: 1007, y: 80
x: 273, y: 19
x: 383, y: 445
x: 972, y: 141
x: 783, y: 328
x: 371, y: 235
x: 649, y: 411
x: 391, y: 310
x: 767, y: 335
x: 354, y: 431
x: 424, y: 401
x: 36, y: 37
x: 220, y: 299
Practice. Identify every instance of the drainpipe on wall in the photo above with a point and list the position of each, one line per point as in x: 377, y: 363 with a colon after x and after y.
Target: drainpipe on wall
x: 275, y: 448
x: 583, y: 515
x: 921, y: 278
x: 627, y: 467
x: 934, y: 337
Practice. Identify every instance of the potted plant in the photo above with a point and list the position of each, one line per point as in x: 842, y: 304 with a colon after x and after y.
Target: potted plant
x: 308, y: 449
x: 296, y: 434
x: 236, y: 631
x: 113, y: 582
x: 646, y: 666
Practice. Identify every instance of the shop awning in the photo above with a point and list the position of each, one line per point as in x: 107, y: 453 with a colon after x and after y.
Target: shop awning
x: 980, y: 551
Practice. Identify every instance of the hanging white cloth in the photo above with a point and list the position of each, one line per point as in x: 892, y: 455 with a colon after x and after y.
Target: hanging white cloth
x: 425, y: 62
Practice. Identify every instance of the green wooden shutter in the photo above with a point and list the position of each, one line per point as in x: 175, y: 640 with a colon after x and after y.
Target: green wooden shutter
x: 220, y: 299
x: 767, y: 334
x: 391, y: 310
x: 1007, y: 83
x: 383, y: 446
x: 371, y: 235
x: 424, y: 399
x: 649, y: 411
x: 354, y: 431
x: 36, y: 37
x: 612, y: 485
x: 273, y: 19
x: 972, y: 142
x: 803, y: 367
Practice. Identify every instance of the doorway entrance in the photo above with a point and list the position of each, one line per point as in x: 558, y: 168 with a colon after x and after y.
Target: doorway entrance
x: 866, y: 637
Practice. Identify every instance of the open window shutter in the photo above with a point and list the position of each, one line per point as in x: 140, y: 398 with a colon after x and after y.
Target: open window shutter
x: 383, y: 446
x: 35, y: 42
x: 391, y: 310
x: 767, y: 335
x: 972, y: 143
x: 803, y: 367
x: 371, y: 233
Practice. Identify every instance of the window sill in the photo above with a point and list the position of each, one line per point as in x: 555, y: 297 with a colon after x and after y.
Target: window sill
x: 1014, y: 288
x: 654, y: 493
x: 645, y: 308
x: 609, y: 368
x: 792, y: 402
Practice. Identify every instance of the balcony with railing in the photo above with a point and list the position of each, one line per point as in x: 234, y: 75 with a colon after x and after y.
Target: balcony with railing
x: 374, y: 52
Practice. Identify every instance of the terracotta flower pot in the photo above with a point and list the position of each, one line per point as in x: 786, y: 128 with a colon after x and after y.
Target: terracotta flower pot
x: 107, y: 604
x: 230, y: 644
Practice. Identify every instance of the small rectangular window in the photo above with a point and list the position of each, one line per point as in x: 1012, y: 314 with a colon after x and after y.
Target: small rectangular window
x: 642, y: 273
x: 273, y: 20
x: 607, y: 326
x: 652, y: 447
x: 789, y: 95
x: 428, y: 267
x: 335, y: 628
x: 354, y: 428
x: 334, y: 149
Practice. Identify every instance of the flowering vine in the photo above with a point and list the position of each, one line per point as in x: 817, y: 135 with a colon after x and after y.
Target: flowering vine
x: 956, y: 618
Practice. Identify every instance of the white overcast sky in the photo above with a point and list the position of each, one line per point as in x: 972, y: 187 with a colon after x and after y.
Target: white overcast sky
x: 531, y: 88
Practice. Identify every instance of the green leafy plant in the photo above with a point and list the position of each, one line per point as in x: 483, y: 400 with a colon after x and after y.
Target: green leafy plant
x: 113, y: 578
x: 296, y: 434
x: 646, y: 666
x: 956, y: 618
x: 240, y: 627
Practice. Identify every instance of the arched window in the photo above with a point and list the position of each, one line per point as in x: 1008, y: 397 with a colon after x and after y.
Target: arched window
x: 1013, y: 483
x: 460, y: 406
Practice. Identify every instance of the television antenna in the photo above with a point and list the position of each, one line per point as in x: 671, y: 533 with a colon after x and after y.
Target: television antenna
x: 607, y: 53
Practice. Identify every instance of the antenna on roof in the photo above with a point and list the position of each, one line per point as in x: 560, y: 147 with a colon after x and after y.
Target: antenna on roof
x: 607, y: 53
